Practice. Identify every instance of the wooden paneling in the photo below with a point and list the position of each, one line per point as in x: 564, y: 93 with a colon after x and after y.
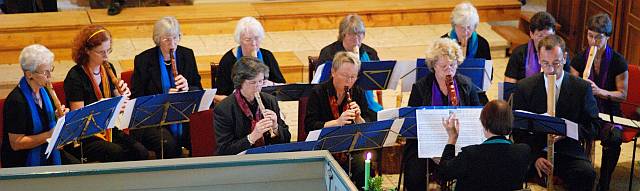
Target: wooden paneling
x: 630, y: 45
x: 569, y: 15
x: 594, y: 7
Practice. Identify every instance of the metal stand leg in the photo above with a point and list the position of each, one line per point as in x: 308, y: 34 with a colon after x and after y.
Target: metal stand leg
x: 633, y: 162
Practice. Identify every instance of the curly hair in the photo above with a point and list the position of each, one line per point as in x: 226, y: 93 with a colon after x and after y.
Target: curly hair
x: 88, y: 38
x: 446, y: 47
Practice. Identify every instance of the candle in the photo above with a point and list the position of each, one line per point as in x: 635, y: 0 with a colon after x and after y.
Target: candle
x: 367, y: 170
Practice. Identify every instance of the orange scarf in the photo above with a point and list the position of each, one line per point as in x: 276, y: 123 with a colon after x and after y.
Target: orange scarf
x: 107, y: 135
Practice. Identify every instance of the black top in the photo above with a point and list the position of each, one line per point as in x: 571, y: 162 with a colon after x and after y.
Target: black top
x: 327, y: 53
x: 78, y: 87
x: 484, y: 51
x: 17, y: 120
x: 319, y: 109
x: 497, y: 166
x: 575, y: 103
x: 515, y: 66
x: 146, y: 77
x: 224, y: 83
x: 421, y: 92
x: 232, y: 126
x: 617, y: 66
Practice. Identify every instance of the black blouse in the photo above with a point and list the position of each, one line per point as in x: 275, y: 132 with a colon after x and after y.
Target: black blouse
x: 617, y: 66
x: 224, y: 83
x: 327, y: 53
x: 421, y: 92
x: 319, y: 109
x: 78, y: 86
x: 17, y: 120
x: 484, y: 51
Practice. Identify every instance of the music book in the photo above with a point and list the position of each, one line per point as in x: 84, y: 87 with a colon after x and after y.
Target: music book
x: 432, y: 137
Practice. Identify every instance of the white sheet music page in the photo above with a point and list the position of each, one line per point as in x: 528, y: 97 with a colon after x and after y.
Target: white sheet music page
x: 432, y: 136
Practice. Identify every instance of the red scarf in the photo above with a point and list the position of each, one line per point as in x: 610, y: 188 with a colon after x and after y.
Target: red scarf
x: 244, y: 106
x: 333, y: 102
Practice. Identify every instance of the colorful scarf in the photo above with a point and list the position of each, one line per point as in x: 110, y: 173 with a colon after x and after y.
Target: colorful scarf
x: 436, y: 97
x: 244, y: 106
x: 35, y: 157
x: 531, y: 66
x: 472, y: 45
x: 239, y: 54
x: 105, y: 93
x: 600, y: 79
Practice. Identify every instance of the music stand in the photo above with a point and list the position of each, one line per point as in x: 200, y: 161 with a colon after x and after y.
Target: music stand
x: 85, y: 122
x: 165, y: 109
x: 479, y: 70
x: 289, y: 92
x: 627, y: 123
x: 375, y: 75
x: 545, y: 124
x: 505, y: 89
x: 285, y: 147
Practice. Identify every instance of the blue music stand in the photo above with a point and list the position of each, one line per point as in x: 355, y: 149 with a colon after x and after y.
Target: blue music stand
x: 505, y: 89
x: 285, y: 147
x: 165, y: 109
x: 421, y: 68
x: 289, y: 92
x: 542, y: 124
x: 478, y: 70
x: 354, y: 137
x: 85, y: 122
x: 375, y: 75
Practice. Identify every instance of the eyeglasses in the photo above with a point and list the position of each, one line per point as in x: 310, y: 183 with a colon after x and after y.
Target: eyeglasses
x: 45, y: 72
x: 250, y: 40
x: 347, y: 76
x: 554, y: 64
x: 255, y: 82
x: 168, y: 39
x: 103, y: 52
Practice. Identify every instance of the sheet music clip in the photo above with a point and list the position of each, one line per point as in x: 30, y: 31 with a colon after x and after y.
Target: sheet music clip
x: 165, y: 109
x: 85, y: 122
x: 289, y: 92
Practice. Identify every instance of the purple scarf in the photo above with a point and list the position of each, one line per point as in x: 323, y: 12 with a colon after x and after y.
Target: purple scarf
x: 601, y: 78
x: 531, y: 67
x: 436, y: 96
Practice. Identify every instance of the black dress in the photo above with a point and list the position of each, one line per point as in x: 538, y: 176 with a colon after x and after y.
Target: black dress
x: 232, y: 126
x: 146, y: 81
x: 224, y: 83
x: 78, y: 87
x: 416, y: 168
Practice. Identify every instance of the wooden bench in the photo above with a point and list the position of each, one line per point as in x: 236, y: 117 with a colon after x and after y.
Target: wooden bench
x: 53, y: 30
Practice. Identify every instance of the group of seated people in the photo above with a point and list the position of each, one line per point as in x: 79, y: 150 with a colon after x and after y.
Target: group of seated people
x: 246, y: 118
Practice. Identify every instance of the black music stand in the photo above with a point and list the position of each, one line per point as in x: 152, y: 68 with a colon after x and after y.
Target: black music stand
x: 289, y: 92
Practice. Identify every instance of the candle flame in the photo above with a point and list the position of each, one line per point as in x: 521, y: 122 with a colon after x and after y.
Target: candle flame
x: 368, y: 155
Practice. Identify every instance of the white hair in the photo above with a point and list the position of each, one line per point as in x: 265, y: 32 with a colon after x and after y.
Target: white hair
x: 166, y: 26
x: 248, y: 24
x: 33, y: 56
x: 465, y: 14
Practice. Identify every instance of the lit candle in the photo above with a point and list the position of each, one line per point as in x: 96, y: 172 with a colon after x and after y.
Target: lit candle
x: 367, y: 170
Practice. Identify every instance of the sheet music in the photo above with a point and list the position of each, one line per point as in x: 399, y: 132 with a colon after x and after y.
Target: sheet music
x: 318, y: 74
x: 207, y: 99
x: 128, y: 112
x: 488, y: 75
x: 313, y: 135
x: 393, y: 133
x: 55, y: 135
x: 620, y: 120
x: 386, y: 114
x: 432, y: 137
x: 572, y: 129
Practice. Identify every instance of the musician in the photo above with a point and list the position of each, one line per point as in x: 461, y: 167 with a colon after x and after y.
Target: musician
x: 523, y: 61
x: 351, y: 33
x: 152, y: 74
x: 464, y: 22
x: 608, y: 79
x: 575, y: 102
x: 328, y: 106
x: 29, y: 115
x: 239, y: 123
x: 496, y: 164
x: 443, y: 58
x: 249, y: 34
x: 88, y: 82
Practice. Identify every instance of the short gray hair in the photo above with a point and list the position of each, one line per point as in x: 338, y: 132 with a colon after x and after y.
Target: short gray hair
x: 166, y: 25
x: 35, y: 55
x: 343, y: 57
x: 248, y: 24
x: 350, y: 24
x: 247, y: 68
x: 444, y: 47
x: 465, y: 14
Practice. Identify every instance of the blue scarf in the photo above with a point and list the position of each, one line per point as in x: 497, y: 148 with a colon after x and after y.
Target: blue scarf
x: 373, y: 105
x: 239, y: 54
x: 35, y: 156
x: 168, y: 82
x: 472, y: 45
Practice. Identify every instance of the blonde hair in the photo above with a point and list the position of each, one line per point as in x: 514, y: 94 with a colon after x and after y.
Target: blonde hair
x: 444, y: 47
x: 465, y: 14
x: 342, y: 57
